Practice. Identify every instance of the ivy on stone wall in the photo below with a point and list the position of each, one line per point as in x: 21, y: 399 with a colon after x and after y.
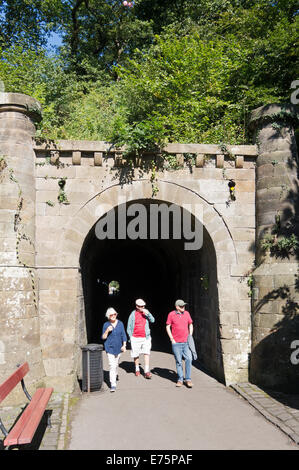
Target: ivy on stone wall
x: 3, y: 163
x: 280, y: 247
x: 153, y: 179
x: 18, y: 226
x: 62, y: 197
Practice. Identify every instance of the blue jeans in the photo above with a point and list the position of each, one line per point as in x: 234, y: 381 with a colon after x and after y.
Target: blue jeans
x: 180, y: 351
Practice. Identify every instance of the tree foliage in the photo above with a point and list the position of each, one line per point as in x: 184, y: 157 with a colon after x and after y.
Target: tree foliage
x: 162, y: 71
x: 201, y: 85
x: 28, y: 21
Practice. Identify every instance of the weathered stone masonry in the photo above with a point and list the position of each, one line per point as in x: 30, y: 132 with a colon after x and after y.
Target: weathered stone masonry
x: 42, y: 306
x: 275, y: 306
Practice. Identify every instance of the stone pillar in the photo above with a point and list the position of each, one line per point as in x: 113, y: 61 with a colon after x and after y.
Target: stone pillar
x: 275, y: 304
x: 19, y: 320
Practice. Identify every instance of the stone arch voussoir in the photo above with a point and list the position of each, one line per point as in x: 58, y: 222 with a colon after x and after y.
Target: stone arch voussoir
x: 74, y: 234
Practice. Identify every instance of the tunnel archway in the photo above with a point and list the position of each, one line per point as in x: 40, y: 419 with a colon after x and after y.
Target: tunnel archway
x: 159, y: 271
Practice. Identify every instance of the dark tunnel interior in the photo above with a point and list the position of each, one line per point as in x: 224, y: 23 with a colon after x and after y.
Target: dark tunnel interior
x: 144, y: 268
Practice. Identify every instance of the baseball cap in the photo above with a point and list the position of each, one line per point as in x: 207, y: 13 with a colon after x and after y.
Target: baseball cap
x: 140, y: 303
x: 180, y: 303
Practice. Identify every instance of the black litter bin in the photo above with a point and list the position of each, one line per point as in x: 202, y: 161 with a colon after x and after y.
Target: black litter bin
x: 92, y: 367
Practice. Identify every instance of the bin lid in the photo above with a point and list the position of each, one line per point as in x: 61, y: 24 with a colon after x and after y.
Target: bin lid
x: 92, y: 347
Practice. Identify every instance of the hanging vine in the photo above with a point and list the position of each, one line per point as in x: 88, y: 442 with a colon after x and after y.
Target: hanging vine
x: 153, y: 179
x: 62, y: 197
x: 19, y: 227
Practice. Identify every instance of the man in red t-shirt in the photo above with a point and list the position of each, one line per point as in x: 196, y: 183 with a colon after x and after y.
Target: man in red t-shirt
x: 179, y: 326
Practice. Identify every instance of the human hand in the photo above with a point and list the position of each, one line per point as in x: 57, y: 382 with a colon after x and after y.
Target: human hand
x: 123, y: 348
x: 110, y: 328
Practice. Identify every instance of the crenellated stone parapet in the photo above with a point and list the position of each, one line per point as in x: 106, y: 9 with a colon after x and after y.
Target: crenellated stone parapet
x: 75, y: 152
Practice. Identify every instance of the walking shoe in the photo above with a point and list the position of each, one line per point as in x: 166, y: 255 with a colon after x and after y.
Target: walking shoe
x: 137, y: 372
x: 112, y: 389
x: 148, y: 375
x: 179, y: 383
x: 189, y: 383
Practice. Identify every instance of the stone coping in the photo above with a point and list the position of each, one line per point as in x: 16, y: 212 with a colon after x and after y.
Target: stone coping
x: 18, y: 102
x: 280, y: 409
x: 273, y: 112
x: 175, y: 148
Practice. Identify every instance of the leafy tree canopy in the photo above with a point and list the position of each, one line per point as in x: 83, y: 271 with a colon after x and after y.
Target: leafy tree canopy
x: 161, y: 71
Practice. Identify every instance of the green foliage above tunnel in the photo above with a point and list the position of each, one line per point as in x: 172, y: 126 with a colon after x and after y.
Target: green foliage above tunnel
x: 188, y: 71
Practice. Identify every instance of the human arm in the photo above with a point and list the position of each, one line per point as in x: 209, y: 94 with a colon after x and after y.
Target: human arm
x: 106, y: 331
x: 168, y: 329
x: 130, y: 324
x: 148, y: 315
x: 190, y: 324
x: 124, y: 339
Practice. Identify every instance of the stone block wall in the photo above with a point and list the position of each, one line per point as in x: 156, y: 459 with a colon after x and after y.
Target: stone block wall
x: 276, y: 300
x: 19, y: 316
x: 90, y: 189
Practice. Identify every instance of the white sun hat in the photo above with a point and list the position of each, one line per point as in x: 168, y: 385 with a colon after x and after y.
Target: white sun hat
x: 110, y: 311
x: 140, y: 303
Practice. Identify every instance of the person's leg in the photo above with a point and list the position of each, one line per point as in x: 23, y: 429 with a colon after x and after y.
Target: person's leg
x: 113, y: 361
x: 136, y: 362
x: 147, y: 372
x: 135, y: 354
x: 116, y: 367
x: 178, y: 353
x: 146, y: 348
x: 146, y: 362
x: 188, y: 362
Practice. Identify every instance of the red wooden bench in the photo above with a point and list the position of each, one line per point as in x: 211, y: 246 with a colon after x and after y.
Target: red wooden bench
x: 24, y: 429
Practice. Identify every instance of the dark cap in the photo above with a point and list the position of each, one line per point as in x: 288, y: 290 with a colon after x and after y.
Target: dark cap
x: 180, y: 303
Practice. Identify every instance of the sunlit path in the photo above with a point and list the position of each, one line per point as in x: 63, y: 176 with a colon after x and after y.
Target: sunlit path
x: 154, y: 414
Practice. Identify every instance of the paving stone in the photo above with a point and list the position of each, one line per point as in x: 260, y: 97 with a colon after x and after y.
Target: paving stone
x: 291, y: 422
x: 295, y: 427
x: 284, y: 416
x: 295, y: 437
x: 275, y: 409
x: 264, y: 401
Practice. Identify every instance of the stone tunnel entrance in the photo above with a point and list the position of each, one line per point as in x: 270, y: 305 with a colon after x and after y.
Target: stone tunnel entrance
x: 159, y: 271
x: 234, y: 325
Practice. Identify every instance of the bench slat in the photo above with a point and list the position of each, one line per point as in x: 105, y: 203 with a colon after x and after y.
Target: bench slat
x: 13, y: 435
x: 13, y: 380
x: 30, y: 427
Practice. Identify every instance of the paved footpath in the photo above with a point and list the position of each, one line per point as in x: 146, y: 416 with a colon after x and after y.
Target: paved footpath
x: 154, y: 414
